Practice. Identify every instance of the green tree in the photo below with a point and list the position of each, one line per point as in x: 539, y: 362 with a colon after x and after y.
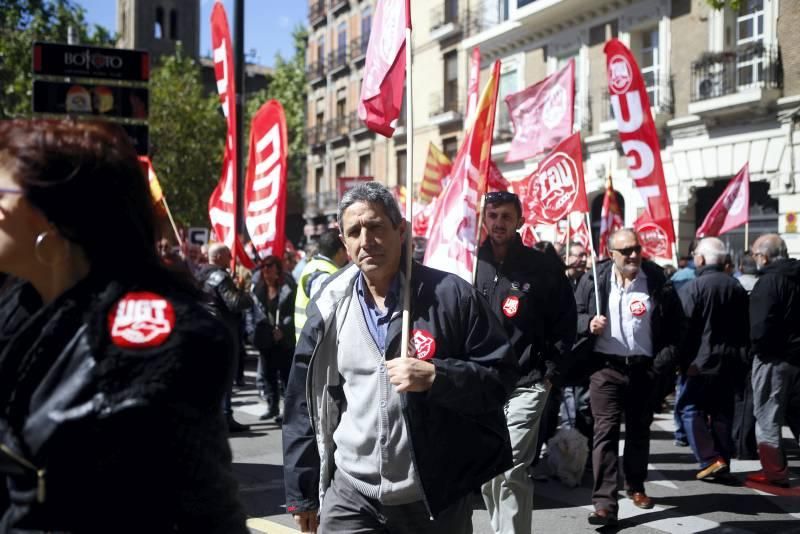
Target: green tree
x: 187, y: 133
x: 21, y: 23
x: 288, y: 86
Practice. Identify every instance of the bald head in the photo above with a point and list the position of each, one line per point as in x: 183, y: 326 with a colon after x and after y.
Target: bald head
x: 623, y: 234
x: 768, y: 248
x: 712, y: 250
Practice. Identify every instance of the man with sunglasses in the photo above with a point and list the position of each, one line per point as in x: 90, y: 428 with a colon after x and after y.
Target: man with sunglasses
x: 633, y: 338
x: 528, y: 291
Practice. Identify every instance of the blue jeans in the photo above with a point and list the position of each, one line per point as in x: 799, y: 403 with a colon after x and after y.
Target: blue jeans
x: 706, y: 408
x: 680, y: 432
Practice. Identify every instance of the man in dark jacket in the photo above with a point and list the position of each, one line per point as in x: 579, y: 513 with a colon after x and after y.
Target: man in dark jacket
x: 712, y: 354
x: 775, y: 343
x: 633, y: 337
x: 228, y: 302
x: 383, y: 442
x: 528, y: 292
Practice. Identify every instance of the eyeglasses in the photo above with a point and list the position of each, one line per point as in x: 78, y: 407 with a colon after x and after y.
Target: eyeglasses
x: 501, y: 196
x: 627, y: 251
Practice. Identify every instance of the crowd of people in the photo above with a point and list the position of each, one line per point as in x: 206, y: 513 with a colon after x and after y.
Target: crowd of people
x: 119, y: 354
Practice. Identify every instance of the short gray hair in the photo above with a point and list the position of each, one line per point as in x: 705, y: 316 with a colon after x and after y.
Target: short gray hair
x: 712, y: 249
x: 772, y: 246
x: 216, y: 249
x: 372, y: 193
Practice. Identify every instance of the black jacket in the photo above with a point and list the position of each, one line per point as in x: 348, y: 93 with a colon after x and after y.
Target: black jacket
x: 227, y: 300
x: 539, y: 315
x: 459, y: 438
x: 665, y: 318
x: 98, y: 436
x: 260, y: 319
x: 775, y: 312
x: 715, y: 337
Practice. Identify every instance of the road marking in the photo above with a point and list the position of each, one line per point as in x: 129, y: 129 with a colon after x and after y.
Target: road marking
x: 269, y: 527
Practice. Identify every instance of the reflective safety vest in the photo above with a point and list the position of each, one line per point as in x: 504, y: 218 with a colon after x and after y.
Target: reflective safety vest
x: 317, y: 266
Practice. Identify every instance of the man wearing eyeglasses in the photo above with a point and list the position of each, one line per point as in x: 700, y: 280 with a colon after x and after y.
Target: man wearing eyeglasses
x: 775, y: 343
x: 528, y: 292
x: 634, y: 337
x: 576, y: 264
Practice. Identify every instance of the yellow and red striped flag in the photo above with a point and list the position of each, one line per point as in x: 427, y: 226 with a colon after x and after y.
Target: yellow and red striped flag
x: 152, y: 179
x: 437, y: 166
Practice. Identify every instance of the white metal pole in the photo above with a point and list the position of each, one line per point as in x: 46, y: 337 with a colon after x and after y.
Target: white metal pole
x: 409, y: 195
x: 594, y: 264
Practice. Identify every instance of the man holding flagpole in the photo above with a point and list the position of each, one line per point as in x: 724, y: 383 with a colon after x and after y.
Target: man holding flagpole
x: 528, y: 292
x: 375, y: 441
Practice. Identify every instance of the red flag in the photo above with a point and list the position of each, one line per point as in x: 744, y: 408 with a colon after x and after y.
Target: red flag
x: 578, y: 231
x: 421, y: 223
x: 385, y: 67
x: 528, y: 235
x: 474, y: 83
x: 610, y: 218
x: 495, y: 179
x: 452, y: 245
x: 732, y: 209
x: 152, y: 179
x: 437, y: 168
x: 637, y: 131
x: 542, y: 114
x: 222, y: 204
x: 265, y: 185
x: 653, y: 237
x: 556, y: 188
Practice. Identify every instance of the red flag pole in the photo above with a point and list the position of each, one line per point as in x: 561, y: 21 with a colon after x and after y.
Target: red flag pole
x: 406, y: 333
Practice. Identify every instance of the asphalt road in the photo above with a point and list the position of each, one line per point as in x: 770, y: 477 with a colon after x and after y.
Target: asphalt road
x: 683, y: 505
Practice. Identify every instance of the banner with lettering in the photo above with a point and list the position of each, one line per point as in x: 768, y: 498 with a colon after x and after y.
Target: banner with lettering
x: 637, y: 132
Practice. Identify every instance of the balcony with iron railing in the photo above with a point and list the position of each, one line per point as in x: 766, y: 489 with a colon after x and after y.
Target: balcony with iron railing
x: 357, y: 126
x: 735, y: 80
x: 445, y: 22
x: 339, y: 5
x: 315, y: 135
x: 338, y: 128
x: 338, y: 60
x: 444, y: 109
x: 315, y: 72
x: 322, y: 202
x: 358, y: 48
x: 316, y: 12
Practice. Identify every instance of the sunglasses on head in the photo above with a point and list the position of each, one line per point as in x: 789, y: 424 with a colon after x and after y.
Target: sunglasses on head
x: 627, y: 251
x: 501, y: 196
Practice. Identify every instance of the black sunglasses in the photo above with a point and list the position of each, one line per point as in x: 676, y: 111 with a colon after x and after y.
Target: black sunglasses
x: 627, y: 251
x: 501, y: 196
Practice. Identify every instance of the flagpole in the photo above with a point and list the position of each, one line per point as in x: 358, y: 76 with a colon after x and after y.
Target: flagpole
x: 478, y: 241
x: 172, y: 221
x: 594, y: 264
x: 566, y: 243
x: 406, y: 332
x: 747, y: 235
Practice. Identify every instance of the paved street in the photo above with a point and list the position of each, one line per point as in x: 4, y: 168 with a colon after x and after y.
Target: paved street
x: 683, y: 505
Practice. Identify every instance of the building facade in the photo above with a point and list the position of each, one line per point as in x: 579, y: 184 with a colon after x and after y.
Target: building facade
x: 158, y: 25
x: 724, y: 88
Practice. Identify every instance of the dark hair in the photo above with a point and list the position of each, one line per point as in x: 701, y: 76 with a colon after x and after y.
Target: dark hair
x: 329, y: 243
x: 85, y: 178
x: 372, y: 193
x: 747, y: 264
x: 547, y: 247
x: 496, y: 198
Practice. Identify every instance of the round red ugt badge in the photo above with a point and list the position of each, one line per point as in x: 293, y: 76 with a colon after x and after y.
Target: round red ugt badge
x: 141, y: 320
x: 638, y: 308
x: 424, y: 344
x: 511, y: 306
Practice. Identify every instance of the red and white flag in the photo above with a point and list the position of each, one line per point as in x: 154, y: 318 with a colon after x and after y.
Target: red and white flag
x: 637, y: 131
x: 385, y: 67
x: 610, y: 218
x: 653, y: 237
x: 474, y: 83
x: 556, y: 188
x: 495, y: 181
x: 528, y: 235
x: 732, y: 209
x: 222, y: 204
x: 265, y: 184
x: 542, y: 114
x: 452, y: 245
x: 578, y: 231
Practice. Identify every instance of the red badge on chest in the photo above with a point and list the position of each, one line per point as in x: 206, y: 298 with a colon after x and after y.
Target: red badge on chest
x: 638, y: 308
x: 141, y: 320
x: 511, y: 306
x: 424, y: 343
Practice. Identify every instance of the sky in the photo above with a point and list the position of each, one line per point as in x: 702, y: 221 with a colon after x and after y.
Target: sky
x: 268, y: 24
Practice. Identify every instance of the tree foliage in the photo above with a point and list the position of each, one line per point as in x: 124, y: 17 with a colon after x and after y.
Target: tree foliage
x: 288, y: 86
x: 21, y: 23
x: 735, y: 5
x: 187, y: 133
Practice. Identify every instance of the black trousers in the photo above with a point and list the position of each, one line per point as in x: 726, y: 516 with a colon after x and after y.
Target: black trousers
x: 618, y: 392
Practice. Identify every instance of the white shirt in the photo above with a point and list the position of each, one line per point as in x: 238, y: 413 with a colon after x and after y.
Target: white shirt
x: 628, y: 330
